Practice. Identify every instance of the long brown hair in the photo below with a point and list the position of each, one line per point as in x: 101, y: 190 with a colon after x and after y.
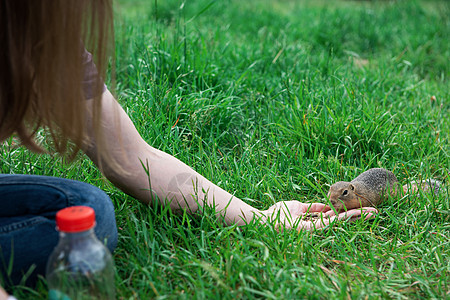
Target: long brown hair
x: 41, y: 70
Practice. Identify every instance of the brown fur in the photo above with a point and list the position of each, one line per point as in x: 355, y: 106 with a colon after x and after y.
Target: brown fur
x: 368, y: 189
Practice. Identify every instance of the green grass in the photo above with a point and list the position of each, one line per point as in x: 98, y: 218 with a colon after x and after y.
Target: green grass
x: 276, y: 100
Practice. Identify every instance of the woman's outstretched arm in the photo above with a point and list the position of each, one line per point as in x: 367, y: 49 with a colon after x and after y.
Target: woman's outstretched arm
x: 173, y: 182
x: 137, y: 168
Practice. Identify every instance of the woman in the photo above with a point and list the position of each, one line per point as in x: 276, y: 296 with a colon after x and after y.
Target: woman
x: 49, y: 81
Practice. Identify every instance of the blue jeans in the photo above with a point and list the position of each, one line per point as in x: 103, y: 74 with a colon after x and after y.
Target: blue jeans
x: 28, y: 205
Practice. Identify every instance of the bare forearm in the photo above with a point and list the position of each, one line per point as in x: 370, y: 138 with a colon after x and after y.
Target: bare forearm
x: 176, y: 184
x: 150, y: 175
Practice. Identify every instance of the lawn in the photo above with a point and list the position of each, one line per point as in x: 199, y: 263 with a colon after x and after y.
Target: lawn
x: 276, y: 100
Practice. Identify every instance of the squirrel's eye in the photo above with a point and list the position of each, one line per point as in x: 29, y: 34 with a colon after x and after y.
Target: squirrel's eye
x: 344, y: 192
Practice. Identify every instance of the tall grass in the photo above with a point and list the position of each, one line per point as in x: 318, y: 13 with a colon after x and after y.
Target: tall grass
x: 276, y: 100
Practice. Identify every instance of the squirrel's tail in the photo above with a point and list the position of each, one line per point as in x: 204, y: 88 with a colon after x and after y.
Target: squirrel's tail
x: 424, y: 185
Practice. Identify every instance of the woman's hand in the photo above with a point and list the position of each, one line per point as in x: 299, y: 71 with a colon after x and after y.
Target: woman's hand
x: 310, y: 216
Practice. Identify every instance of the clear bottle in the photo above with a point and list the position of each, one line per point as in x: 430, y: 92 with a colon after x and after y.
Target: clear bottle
x: 80, y: 267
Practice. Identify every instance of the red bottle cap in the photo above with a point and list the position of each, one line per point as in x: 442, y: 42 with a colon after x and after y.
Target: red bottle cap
x: 75, y: 219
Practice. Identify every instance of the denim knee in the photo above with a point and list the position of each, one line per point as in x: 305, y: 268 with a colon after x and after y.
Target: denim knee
x: 28, y: 205
x: 105, y: 228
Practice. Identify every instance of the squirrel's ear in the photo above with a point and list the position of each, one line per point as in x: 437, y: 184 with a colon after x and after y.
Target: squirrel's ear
x: 352, y: 187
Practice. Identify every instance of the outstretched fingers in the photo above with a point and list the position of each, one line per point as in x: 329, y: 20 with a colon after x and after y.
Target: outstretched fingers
x: 311, y: 216
x: 329, y: 217
x: 358, y: 213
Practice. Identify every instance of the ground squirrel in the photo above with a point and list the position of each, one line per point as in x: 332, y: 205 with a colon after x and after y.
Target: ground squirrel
x: 370, y: 189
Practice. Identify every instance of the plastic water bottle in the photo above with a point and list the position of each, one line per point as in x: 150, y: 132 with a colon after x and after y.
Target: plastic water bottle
x: 80, y: 267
